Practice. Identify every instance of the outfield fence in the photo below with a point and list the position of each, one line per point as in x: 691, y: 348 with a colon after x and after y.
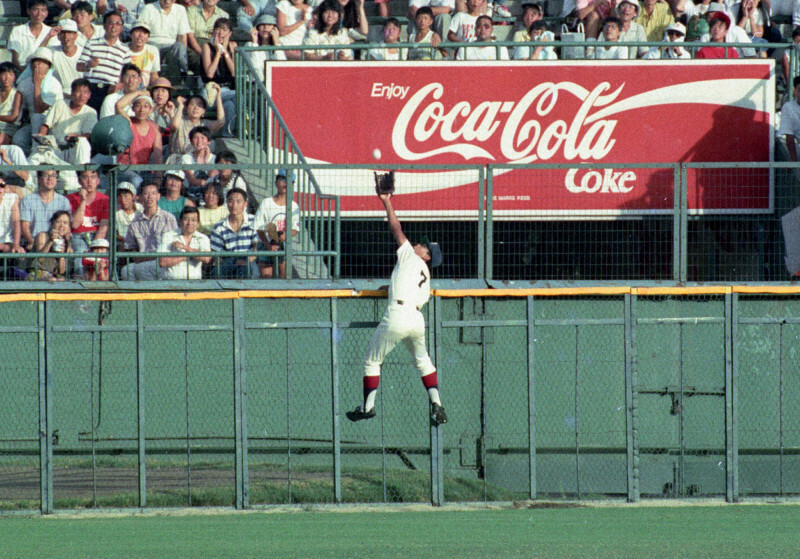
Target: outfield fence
x: 237, y: 398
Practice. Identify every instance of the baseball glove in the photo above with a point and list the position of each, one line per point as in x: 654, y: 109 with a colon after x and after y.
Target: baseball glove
x: 384, y: 183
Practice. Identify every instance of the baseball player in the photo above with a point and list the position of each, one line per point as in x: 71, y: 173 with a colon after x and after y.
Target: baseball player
x: 409, y: 290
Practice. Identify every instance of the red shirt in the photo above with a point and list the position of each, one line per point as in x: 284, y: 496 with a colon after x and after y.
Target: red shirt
x: 716, y: 52
x: 95, y: 212
x: 141, y: 147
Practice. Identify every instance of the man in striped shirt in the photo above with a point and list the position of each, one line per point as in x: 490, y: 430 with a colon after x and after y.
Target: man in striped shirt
x: 235, y: 233
x: 103, y: 58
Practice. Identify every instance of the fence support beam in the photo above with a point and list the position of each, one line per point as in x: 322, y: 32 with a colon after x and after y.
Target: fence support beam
x: 531, y: 399
x: 140, y: 404
x: 239, y: 408
x: 631, y: 403
x: 731, y: 435
x: 335, y: 427
x: 436, y: 435
x: 45, y: 417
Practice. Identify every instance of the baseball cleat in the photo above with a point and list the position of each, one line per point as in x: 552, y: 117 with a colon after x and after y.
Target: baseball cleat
x: 437, y: 414
x: 358, y: 414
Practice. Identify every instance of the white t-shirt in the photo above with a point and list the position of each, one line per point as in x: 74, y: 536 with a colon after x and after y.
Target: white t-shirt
x: 51, y: 92
x: 293, y: 15
x: 411, y: 279
x: 124, y: 219
x: 82, y: 39
x: 165, y: 28
x: 433, y: 3
x: 614, y: 53
x: 270, y: 212
x: 22, y: 41
x: 189, y: 268
x: 313, y: 37
x: 148, y: 61
x: 463, y: 25
x: 62, y: 121
x: 790, y: 119
x: 109, y: 106
x: 65, y: 68
x: 482, y: 53
x: 384, y: 53
x: 6, y: 227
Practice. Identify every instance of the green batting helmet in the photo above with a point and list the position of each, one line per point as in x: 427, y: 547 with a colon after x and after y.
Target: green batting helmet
x: 111, y: 135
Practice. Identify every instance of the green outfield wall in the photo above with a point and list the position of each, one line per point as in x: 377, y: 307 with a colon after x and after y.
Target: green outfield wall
x: 238, y: 398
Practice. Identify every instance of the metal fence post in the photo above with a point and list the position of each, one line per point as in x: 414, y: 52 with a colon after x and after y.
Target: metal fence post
x: 631, y: 409
x: 337, y: 442
x: 684, y: 224
x: 437, y: 447
x: 45, y: 416
x: 676, y: 223
x: 731, y: 436
x: 239, y: 412
x: 488, y: 239
x: 140, y: 404
x: 531, y: 399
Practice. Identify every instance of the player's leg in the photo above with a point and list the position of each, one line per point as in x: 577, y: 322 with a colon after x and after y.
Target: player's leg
x: 416, y: 345
x: 382, y: 342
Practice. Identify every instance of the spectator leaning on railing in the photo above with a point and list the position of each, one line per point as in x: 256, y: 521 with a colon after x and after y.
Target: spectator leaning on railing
x: 235, y: 234
x: 484, y: 30
x: 628, y: 11
x: 144, y: 235
x: 187, y: 239
x: 89, y: 215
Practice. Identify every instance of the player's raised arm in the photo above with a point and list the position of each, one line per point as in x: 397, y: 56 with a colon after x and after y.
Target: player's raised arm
x: 384, y: 186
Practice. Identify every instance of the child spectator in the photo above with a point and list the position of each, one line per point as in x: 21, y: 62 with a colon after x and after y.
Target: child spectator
x: 173, y: 194
x: 539, y: 33
x: 10, y: 229
x: 611, y: 30
x: 66, y: 55
x: 26, y: 38
x: 183, y: 122
x: 675, y: 34
x: 55, y: 238
x: 234, y: 234
x: 200, y: 137
x: 10, y: 103
x: 143, y: 55
x: 391, y: 36
x: 71, y: 123
x: 440, y: 12
x: 328, y: 30
x: 483, y: 34
x: 720, y: 22
x: 95, y: 267
x: 294, y: 18
x: 462, y: 26
x: 530, y: 13
x: 127, y: 210
x: 270, y: 223
x: 735, y: 34
x: 187, y: 239
x: 424, y: 35
x: 202, y: 19
x: 103, y: 59
x: 219, y: 70
x: 212, y: 212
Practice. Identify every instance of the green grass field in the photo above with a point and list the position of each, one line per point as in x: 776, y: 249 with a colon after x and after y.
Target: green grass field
x: 752, y: 531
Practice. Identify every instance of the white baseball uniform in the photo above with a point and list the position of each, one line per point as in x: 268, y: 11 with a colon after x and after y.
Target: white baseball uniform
x: 409, y: 290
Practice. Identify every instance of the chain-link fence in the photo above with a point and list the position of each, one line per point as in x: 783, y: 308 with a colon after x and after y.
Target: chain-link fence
x: 238, y: 399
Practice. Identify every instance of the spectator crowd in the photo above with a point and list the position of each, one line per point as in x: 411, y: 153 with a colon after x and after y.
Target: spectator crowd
x: 167, y: 68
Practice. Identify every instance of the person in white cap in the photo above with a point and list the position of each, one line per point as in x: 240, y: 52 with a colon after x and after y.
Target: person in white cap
x: 38, y: 76
x: 128, y: 209
x: 26, y: 38
x: 631, y: 32
x: 676, y: 32
x: 66, y: 55
x: 146, y: 147
x: 70, y: 123
x: 95, y: 268
x: 145, y: 56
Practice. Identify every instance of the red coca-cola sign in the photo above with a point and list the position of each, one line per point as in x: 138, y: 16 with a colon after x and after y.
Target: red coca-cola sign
x: 611, y: 113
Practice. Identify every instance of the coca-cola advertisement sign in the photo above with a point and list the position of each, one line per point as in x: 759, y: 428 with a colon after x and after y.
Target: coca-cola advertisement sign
x: 623, y: 115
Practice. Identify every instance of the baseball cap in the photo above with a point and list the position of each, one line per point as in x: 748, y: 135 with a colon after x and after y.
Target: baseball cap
x: 723, y: 17
x: 42, y: 53
x: 631, y: 2
x: 284, y: 173
x: 180, y: 174
x: 677, y: 27
x: 69, y: 25
x: 266, y: 19
x: 436, y: 252
x: 99, y: 243
x: 126, y: 186
x: 139, y: 24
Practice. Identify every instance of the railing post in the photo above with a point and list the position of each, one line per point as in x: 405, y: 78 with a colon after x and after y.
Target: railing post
x: 731, y: 435
x: 45, y: 416
x: 488, y: 218
x: 436, y: 432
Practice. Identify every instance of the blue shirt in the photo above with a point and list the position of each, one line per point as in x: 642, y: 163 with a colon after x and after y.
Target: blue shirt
x: 223, y: 238
x: 38, y: 214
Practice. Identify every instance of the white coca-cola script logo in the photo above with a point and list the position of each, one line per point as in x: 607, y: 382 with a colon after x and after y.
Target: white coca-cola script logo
x: 523, y: 137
